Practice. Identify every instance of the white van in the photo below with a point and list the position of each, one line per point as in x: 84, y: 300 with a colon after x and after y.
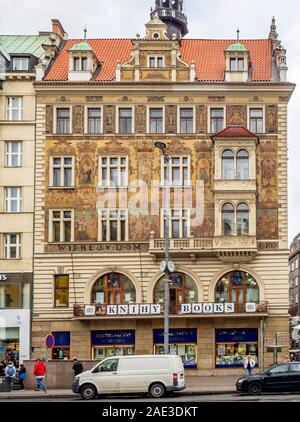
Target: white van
x: 155, y: 375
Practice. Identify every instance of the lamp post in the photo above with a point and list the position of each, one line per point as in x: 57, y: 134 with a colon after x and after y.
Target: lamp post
x: 162, y: 147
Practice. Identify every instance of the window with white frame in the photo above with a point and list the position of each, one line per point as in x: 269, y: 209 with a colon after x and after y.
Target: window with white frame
x: 20, y: 63
x: 61, y: 226
x: 177, y: 171
x: 94, y: 117
x: 235, y: 166
x: 179, y: 223
x: 62, y: 171
x: 80, y: 64
x: 14, y: 110
x: 186, y: 116
x: 113, y: 171
x: 256, y: 120
x: 125, y: 120
x: 13, y: 153
x: 216, y: 120
x: 156, y: 120
x: 13, y: 199
x: 63, y: 119
x: 113, y: 225
x: 12, y: 246
x: 235, y: 220
x: 236, y: 64
x: 156, y: 62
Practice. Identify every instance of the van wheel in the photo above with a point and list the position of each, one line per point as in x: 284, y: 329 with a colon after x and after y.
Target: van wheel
x: 157, y: 390
x: 88, y: 392
x: 255, y: 389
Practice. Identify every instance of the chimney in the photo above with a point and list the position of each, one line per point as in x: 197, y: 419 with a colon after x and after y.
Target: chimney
x: 58, y: 29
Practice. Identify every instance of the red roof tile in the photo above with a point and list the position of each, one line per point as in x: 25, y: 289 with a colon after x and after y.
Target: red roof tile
x: 208, y: 54
x: 235, y: 132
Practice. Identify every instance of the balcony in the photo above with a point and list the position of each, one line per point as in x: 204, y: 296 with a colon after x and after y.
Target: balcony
x: 199, y: 310
x: 236, y: 248
x: 181, y: 247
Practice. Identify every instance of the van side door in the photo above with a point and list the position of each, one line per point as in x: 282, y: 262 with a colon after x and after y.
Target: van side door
x: 105, y: 376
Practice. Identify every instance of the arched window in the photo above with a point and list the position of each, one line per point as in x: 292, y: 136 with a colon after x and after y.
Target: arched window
x: 242, y: 220
x: 182, y: 289
x: 237, y: 287
x: 113, y: 289
x: 227, y: 165
x: 227, y: 220
x: 242, y: 165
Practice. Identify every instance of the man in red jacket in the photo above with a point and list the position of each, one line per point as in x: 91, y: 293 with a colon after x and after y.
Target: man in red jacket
x: 39, y: 373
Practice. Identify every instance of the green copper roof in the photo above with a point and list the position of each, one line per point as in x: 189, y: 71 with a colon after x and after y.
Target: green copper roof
x: 82, y: 46
x: 18, y: 44
x: 237, y: 47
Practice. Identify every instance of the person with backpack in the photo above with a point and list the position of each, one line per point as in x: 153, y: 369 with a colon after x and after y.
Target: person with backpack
x: 10, y: 375
x: 249, y: 364
x: 39, y: 372
x: 22, y: 376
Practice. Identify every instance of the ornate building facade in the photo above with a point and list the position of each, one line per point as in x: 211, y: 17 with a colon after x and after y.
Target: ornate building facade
x: 221, y: 108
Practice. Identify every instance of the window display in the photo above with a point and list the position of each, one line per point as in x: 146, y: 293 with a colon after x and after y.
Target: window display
x: 187, y: 352
x: 61, y: 349
x: 106, y: 352
x: 9, y: 344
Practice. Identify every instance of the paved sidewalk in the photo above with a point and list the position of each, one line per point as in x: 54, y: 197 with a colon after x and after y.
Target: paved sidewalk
x: 195, y: 385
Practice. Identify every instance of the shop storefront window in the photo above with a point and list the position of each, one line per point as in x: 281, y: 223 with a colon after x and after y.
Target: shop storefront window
x: 183, y: 289
x: 183, y: 343
x: 234, y: 345
x: 61, y: 349
x: 237, y: 287
x: 112, y: 343
x: 113, y: 289
x: 9, y: 344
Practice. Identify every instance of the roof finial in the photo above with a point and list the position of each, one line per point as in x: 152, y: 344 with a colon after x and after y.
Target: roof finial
x: 273, y: 30
x: 85, y: 33
x: 238, y: 34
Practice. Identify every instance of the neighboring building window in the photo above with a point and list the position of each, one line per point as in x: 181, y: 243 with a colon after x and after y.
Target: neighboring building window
x: 179, y: 224
x: 13, y: 154
x: 13, y: 199
x: 236, y: 64
x: 94, y: 120
x: 62, y: 171
x: 113, y: 171
x: 11, y: 295
x: 80, y: 64
x: 256, y: 116
x: 228, y: 165
x: 227, y: 220
x: 156, y: 120
x: 242, y: 220
x: 63, y: 120
x: 113, y: 225
x: 237, y: 287
x: 216, y: 120
x: 14, y: 108
x: 61, y: 226
x: 125, y: 120
x: 156, y: 62
x: 177, y: 171
x: 186, y: 120
x: 12, y: 246
x: 61, y: 291
x: 113, y: 289
x: 20, y: 63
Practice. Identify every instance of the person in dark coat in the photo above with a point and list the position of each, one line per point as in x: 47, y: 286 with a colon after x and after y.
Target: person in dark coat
x: 22, y: 376
x: 77, y: 367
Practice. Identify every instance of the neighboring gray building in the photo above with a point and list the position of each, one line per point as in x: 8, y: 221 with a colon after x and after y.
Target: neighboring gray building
x: 294, y: 261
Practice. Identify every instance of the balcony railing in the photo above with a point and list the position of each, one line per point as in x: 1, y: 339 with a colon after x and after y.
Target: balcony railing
x: 190, y: 245
x: 157, y: 310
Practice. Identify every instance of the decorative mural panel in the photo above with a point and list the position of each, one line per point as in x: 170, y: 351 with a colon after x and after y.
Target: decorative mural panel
x: 78, y: 119
x: 140, y: 119
x: 272, y: 119
x: 267, y: 224
x: 49, y: 119
x: 267, y: 177
x: 201, y: 119
x: 237, y: 115
x: 86, y: 226
x: 109, y: 119
x: 171, y: 119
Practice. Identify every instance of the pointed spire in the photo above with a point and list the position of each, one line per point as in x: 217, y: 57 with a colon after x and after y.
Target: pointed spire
x: 85, y: 33
x: 238, y: 34
x: 273, y: 30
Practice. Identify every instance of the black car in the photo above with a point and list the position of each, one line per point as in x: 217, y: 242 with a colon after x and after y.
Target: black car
x: 282, y: 377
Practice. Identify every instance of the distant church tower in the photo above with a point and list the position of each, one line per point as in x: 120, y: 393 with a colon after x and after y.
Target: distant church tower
x: 171, y: 13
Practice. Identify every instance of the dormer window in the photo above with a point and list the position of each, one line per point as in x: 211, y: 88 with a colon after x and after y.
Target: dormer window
x: 20, y: 63
x: 80, y: 64
x: 236, y: 64
x: 156, y: 62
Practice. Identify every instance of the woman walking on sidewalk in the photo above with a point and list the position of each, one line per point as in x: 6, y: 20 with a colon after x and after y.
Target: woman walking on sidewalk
x: 249, y: 364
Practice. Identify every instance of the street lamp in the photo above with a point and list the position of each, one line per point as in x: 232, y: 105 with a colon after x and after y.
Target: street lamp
x: 166, y: 266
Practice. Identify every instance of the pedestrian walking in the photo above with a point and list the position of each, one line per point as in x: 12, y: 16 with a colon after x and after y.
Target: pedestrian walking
x: 249, y: 364
x: 10, y: 375
x: 77, y: 367
x: 2, y: 368
x: 39, y: 372
x: 22, y: 376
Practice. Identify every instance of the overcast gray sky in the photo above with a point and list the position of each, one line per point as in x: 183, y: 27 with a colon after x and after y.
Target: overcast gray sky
x: 207, y: 19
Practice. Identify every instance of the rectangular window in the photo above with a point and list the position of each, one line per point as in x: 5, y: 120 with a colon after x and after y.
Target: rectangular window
x: 94, y: 120
x: 177, y: 171
x: 61, y: 226
x: 10, y: 295
x: 186, y: 120
x: 241, y: 64
x: 80, y: 63
x: 14, y: 111
x: 125, y: 120
x: 13, y: 199
x: 156, y: 120
x: 179, y: 224
x: 216, y: 120
x: 20, y: 63
x: 113, y: 171
x: 256, y: 116
x: 12, y: 246
x: 113, y: 225
x: 13, y: 154
x: 62, y: 171
x: 156, y: 62
x: 61, y: 291
x: 63, y: 120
